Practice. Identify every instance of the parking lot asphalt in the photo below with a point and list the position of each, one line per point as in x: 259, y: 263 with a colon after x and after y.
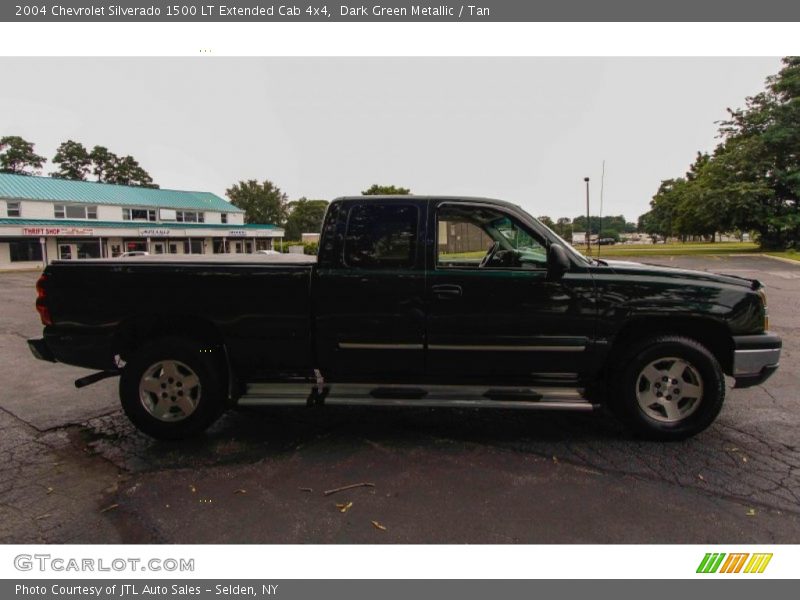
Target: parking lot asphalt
x: 72, y: 469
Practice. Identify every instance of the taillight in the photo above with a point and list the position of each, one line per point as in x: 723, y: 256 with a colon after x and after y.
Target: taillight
x: 41, y: 296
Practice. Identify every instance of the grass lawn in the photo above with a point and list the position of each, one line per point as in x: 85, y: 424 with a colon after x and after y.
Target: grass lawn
x: 677, y: 249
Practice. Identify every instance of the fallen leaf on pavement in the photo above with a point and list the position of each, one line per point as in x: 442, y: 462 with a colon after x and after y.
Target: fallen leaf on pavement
x: 555, y: 459
x: 44, y: 516
x: 377, y: 525
x: 701, y: 478
x: 240, y: 491
x: 49, y: 490
x: 751, y: 512
x: 343, y: 508
x: 306, y: 490
x: 108, y: 508
x: 194, y: 489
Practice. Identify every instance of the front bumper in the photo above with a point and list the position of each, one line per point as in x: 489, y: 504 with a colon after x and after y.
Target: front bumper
x: 755, y: 358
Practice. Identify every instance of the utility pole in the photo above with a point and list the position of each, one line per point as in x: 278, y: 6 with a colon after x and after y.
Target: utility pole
x: 588, y: 223
x: 600, y: 224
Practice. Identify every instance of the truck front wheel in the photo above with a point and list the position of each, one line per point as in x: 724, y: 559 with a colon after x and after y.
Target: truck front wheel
x: 171, y: 389
x: 668, y: 388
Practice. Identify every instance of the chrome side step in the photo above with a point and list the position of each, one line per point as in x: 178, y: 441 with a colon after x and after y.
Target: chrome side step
x: 339, y: 394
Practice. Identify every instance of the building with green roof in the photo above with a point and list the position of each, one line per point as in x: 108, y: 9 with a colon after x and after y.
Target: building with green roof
x: 43, y: 218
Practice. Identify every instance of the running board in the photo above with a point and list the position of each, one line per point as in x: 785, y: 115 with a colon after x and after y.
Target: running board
x: 440, y: 396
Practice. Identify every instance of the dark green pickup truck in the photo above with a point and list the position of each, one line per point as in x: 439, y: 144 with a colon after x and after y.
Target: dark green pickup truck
x: 417, y: 301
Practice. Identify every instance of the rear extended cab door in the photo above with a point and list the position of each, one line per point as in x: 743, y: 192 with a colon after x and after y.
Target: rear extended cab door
x: 369, y: 290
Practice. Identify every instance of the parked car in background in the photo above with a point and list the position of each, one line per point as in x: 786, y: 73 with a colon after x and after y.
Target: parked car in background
x: 134, y: 253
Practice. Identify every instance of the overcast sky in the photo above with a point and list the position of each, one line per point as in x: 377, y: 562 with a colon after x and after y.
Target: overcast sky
x: 522, y: 129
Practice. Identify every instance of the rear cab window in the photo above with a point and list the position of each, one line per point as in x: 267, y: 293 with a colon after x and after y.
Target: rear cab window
x: 381, y: 236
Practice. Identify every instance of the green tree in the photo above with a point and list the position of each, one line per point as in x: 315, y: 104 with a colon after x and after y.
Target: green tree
x: 545, y: 220
x: 73, y: 161
x: 127, y: 171
x: 759, y: 160
x: 124, y: 170
x: 261, y: 202
x: 385, y: 190
x: 564, y: 228
x: 661, y: 220
x: 17, y: 156
x: 304, y: 216
x: 752, y: 179
x: 103, y: 162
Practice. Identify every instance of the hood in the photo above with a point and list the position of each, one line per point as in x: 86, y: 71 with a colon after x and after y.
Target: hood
x: 634, y: 268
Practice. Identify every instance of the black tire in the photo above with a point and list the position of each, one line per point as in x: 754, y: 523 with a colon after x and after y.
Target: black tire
x: 200, y: 405
x: 635, y: 399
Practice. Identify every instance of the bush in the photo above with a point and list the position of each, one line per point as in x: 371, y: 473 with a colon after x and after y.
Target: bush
x: 310, y: 248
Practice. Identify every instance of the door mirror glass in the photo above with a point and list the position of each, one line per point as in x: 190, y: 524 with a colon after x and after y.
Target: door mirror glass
x: 557, y: 261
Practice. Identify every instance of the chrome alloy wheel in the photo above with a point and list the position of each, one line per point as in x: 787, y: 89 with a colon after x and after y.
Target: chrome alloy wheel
x: 169, y: 390
x: 669, y: 389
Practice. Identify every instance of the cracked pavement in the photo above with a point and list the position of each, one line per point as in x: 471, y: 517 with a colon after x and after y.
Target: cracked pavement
x: 72, y: 469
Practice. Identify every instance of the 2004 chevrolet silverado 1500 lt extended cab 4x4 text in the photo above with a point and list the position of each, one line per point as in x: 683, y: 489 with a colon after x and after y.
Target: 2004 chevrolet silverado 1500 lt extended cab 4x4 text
x: 400, y: 309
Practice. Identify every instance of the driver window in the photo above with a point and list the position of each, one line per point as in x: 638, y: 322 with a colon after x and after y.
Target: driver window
x: 480, y: 237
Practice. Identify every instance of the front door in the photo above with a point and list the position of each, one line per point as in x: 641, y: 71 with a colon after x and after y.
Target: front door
x: 369, y: 299
x: 494, y: 315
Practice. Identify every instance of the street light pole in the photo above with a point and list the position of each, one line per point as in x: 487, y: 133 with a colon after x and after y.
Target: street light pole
x: 588, y: 223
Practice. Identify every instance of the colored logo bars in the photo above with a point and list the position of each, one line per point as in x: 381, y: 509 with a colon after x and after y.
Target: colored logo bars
x: 713, y: 562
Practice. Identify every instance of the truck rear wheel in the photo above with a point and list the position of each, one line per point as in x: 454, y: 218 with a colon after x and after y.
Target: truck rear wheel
x: 668, y: 388
x: 171, y: 389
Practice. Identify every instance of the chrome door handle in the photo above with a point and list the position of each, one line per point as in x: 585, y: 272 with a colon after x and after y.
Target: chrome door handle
x: 446, y: 291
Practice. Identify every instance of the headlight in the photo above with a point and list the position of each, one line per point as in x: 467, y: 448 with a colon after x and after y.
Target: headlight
x: 763, y: 295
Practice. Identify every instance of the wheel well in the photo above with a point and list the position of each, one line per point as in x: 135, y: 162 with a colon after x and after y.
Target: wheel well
x: 714, y: 335
x: 135, y: 332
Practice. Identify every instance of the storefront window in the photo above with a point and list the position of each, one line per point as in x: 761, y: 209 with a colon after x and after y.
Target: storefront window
x: 193, y: 247
x: 78, y: 248
x: 25, y: 250
x: 135, y: 245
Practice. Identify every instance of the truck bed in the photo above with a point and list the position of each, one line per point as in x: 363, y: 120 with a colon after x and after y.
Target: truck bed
x: 259, y: 304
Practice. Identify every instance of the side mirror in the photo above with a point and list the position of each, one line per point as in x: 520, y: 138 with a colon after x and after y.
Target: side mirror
x: 558, y: 262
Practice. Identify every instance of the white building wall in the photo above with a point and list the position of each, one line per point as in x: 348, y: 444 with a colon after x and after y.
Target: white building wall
x: 213, y: 217
x: 109, y: 213
x: 235, y: 218
x: 36, y: 210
